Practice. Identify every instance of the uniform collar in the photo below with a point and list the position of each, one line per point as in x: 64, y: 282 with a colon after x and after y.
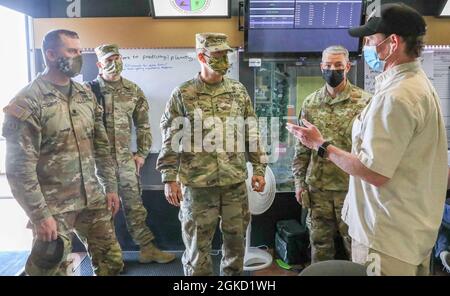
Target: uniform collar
x: 77, y: 87
x: 342, y: 96
x: 48, y: 88
x: 388, y: 75
x: 103, y: 84
x: 202, y: 87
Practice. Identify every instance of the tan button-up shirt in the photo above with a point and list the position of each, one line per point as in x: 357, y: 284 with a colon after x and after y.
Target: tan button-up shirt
x: 400, y: 135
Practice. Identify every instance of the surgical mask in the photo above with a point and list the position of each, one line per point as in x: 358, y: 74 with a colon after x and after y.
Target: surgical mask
x: 70, y: 67
x: 219, y: 65
x: 333, y: 77
x: 113, y: 67
x: 372, y: 57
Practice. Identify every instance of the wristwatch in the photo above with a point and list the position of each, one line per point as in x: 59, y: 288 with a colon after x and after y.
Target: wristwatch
x: 322, y: 151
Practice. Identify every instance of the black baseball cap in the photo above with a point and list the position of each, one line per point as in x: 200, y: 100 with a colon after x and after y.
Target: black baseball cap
x: 396, y: 18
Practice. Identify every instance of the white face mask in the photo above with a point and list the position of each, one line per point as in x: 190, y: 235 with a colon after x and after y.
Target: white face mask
x: 113, y: 67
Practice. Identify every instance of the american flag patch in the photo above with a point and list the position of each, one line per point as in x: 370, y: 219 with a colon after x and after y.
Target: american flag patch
x: 17, y: 111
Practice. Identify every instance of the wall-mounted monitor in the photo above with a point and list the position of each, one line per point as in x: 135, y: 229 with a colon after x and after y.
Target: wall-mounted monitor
x: 294, y: 28
x: 191, y: 8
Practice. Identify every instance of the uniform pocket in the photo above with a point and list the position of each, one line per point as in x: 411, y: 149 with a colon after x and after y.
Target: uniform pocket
x: 306, y: 202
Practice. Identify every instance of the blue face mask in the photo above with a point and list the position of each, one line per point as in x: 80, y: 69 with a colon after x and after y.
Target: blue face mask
x: 373, y: 59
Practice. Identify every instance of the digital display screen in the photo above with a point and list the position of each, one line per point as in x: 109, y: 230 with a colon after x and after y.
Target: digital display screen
x: 190, y: 8
x: 301, y: 26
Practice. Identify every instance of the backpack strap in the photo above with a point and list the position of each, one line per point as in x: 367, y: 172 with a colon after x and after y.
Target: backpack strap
x: 95, y: 87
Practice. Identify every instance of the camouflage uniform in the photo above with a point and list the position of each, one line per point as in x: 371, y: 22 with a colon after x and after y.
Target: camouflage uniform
x: 326, y: 183
x: 213, y: 182
x: 57, y: 152
x: 125, y: 103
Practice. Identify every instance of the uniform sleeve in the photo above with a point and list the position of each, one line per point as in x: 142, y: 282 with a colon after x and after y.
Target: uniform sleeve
x: 22, y: 131
x: 302, y: 157
x: 168, y: 159
x: 256, y: 153
x: 106, y: 169
x: 389, y: 125
x: 141, y: 122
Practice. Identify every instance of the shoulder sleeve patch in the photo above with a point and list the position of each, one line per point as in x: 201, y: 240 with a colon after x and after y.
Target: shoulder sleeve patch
x: 17, y: 111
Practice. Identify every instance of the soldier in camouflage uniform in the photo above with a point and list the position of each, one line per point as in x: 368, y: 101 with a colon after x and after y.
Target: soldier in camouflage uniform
x: 125, y: 104
x: 58, y: 160
x: 212, y: 179
x: 320, y: 185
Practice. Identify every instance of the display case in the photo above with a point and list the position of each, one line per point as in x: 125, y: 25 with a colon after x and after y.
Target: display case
x: 280, y: 89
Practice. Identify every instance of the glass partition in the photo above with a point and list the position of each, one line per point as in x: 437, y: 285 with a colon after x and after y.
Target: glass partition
x: 280, y: 89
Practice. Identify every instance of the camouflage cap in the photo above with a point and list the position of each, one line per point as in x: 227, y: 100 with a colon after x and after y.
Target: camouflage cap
x: 106, y: 50
x: 212, y: 42
x: 47, y: 255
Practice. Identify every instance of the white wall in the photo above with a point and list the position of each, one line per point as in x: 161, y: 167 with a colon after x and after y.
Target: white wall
x: 13, y: 53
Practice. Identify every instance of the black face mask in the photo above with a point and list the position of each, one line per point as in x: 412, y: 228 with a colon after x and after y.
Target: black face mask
x: 333, y: 77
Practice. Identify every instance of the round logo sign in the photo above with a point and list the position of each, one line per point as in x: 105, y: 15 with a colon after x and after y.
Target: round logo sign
x: 190, y: 6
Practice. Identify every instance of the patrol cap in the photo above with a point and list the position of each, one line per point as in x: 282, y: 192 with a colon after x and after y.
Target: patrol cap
x: 395, y: 18
x: 47, y: 255
x: 106, y: 50
x: 212, y: 42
